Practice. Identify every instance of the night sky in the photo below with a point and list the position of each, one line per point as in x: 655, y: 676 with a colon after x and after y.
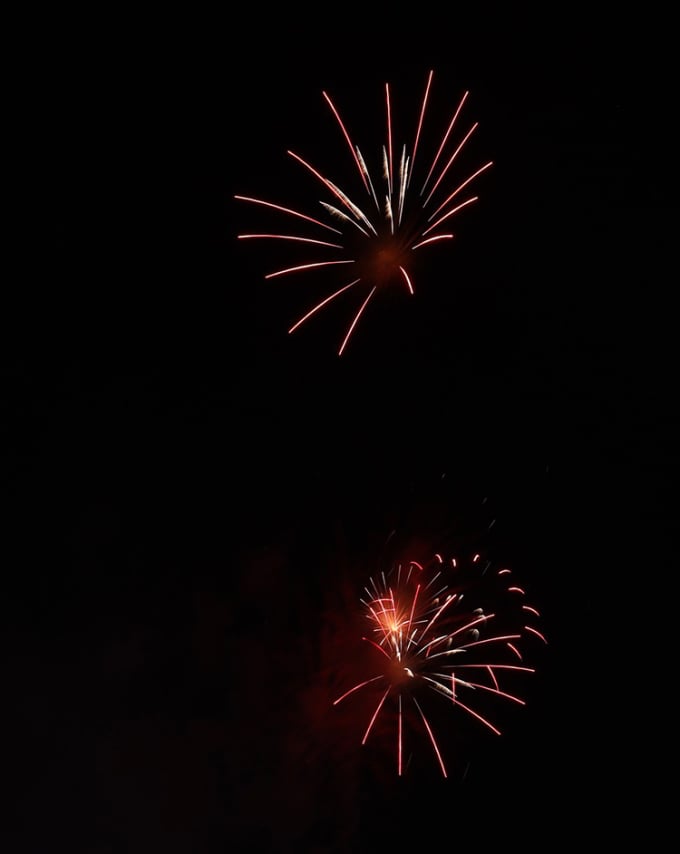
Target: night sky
x: 194, y: 498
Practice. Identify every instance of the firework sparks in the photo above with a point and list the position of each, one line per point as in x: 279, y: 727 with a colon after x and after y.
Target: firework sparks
x: 430, y: 643
x: 379, y: 234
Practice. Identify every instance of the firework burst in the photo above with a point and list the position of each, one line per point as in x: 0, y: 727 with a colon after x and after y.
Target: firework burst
x: 451, y: 633
x: 375, y: 232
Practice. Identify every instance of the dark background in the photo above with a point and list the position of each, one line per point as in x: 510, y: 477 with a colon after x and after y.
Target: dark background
x: 194, y: 497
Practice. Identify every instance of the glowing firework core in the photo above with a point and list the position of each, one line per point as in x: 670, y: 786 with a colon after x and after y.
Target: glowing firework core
x: 382, y: 261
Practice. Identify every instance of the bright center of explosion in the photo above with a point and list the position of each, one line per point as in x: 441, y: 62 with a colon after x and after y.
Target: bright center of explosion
x: 380, y: 262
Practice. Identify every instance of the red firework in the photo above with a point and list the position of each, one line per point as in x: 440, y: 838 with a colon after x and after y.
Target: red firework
x: 376, y: 238
x: 430, y: 643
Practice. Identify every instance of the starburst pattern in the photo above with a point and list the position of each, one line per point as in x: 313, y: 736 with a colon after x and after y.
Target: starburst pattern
x: 377, y: 236
x: 446, y: 632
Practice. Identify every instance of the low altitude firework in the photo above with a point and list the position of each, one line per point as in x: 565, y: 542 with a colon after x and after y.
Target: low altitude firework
x: 373, y: 232
x: 448, y: 635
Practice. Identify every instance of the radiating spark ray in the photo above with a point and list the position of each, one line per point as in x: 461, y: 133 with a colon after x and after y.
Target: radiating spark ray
x: 497, y: 667
x: 420, y: 120
x: 450, y: 162
x: 337, y: 192
x: 432, y: 738
x: 400, y: 736
x: 291, y: 237
x: 409, y: 285
x: 389, y: 132
x: 483, y: 619
x: 377, y: 646
x: 446, y: 604
x: 356, y: 210
x: 375, y: 715
x: 478, y: 716
x: 388, y: 213
x: 460, y: 187
x: 449, y: 214
x: 368, y: 177
x: 514, y: 650
x: 355, y: 321
x: 498, y: 693
x: 432, y: 581
x: 413, y: 607
x: 305, y: 267
x: 489, y: 640
x: 343, y: 216
x: 403, y: 172
x: 535, y: 632
x: 386, y: 168
x: 347, y: 139
x: 437, y: 686
x: 356, y: 688
x: 531, y: 610
x: 432, y: 239
x: 443, y: 142
x: 288, y: 211
x: 493, y: 676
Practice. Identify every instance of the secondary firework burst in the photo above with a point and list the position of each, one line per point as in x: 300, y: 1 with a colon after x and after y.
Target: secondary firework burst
x: 450, y: 633
x: 375, y: 232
